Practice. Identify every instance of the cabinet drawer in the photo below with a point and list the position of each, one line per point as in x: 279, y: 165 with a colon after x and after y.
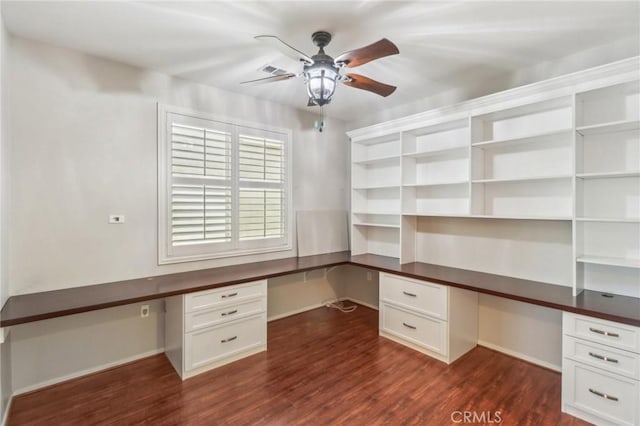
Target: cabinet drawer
x: 423, y: 331
x: 206, y: 346
x: 206, y: 318
x: 610, y: 333
x: 423, y: 296
x: 601, y: 356
x: 209, y: 298
x: 608, y: 396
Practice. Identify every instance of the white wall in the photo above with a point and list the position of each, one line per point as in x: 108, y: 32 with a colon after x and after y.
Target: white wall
x: 83, y: 141
x: 5, y: 358
x: 83, y: 145
x: 526, y: 331
x: 535, y: 250
x: 46, y: 352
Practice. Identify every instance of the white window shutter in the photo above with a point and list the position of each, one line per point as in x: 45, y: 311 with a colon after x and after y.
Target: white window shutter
x: 228, y: 189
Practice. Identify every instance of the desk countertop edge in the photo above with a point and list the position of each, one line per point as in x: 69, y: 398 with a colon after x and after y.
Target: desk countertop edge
x: 32, y: 307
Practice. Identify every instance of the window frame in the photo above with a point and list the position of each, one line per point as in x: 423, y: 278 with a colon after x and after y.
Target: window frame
x: 167, y: 253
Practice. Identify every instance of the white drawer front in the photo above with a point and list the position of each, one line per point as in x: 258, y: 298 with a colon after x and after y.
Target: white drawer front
x: 210, y: 298
x: 426, y: 332
x: 607, y: 332
x: 601, y: 356
x: 605, y: 395
x: 206, y: 318
x: 212, y: 344
x: 423, y: 296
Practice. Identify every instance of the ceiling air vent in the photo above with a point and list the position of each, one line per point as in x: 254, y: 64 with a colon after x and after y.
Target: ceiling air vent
x: 270, y: 69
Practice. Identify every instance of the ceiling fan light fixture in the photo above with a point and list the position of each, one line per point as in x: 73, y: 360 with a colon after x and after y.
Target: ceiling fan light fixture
x: 321, y: 82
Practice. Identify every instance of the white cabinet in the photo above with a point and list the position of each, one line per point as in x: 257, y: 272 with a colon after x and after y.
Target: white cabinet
x: 438, y: 320
x: 600, y: 370
x: 210, y: 328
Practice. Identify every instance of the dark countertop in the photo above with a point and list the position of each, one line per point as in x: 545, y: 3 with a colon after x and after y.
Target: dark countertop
x: 50, y: 304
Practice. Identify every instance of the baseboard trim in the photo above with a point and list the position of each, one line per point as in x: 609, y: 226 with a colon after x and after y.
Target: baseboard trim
x: 320, y: 305
x: 5, y: 415
x: 521, y: 356
x: 81, y: 373
x: 297, y: 311
x: 360, y: 302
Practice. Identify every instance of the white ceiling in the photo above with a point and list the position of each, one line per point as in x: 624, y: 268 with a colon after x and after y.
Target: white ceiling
x: 443, y: 45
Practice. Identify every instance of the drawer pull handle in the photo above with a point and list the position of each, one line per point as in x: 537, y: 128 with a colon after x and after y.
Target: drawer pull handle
x: 409, y: 294
x: 413, y: 327
x: 230, y: 339
x: 604, y: 358
x: 604, y: 333
x: 224, y: 314
x: 224, y: 296
x: 603, y: 395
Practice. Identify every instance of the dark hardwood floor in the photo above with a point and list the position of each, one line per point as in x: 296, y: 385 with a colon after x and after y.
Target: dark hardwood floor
x: 323, y: 367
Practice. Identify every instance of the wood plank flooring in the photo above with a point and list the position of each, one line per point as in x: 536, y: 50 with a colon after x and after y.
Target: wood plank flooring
x: 323, y: 367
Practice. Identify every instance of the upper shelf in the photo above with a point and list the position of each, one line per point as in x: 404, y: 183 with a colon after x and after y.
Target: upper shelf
x: 378, y: 160
x: 553, y: 134
x: 446, y: 151
x: 607, y: 175
x: 611, y: 127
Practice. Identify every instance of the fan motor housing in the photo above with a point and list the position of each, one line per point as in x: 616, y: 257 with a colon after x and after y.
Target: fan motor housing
x: 321, y: 38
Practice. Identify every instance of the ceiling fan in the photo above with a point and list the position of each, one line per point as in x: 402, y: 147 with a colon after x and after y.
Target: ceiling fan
x: 321, y: 71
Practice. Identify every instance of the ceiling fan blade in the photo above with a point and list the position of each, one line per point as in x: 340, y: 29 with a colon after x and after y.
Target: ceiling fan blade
x: 272, y: 78
x: 377, y: 50
x: 365, y: 83
x: 285, y: 48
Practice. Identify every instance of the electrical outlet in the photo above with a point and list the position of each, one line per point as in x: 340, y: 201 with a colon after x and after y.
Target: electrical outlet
x: 369, y: 276
x: 144, y: 311
x: 116, y: 218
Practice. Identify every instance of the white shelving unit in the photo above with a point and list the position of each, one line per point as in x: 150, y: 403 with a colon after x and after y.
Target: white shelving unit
x: 511, y: 172
x: 375, y: 195
x: 607, y: 190
x: 561, y: 160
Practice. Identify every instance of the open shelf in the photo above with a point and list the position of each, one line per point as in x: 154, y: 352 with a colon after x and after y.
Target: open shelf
x: 456, y: 150
x: 523, y: 217
x: 611, y: 261
x: 423, y: 185
x: 605, y: 175
x: 386, y: 159
x: 608, y: 219
x: 612, y: 127
x: 533, y: 138
x: 379, y: 225
x: 372, y: 187
x: 524, y: 179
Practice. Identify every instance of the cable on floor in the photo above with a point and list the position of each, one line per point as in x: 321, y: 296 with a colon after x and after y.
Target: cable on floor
x: 339, y: 305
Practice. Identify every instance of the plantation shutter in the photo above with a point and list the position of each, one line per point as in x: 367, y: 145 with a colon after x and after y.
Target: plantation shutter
x: 201, y: 187
x: 226, y: 189
x: 262, y: 178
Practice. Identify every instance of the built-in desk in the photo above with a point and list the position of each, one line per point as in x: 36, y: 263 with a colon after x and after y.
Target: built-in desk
x: 39, y: 306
